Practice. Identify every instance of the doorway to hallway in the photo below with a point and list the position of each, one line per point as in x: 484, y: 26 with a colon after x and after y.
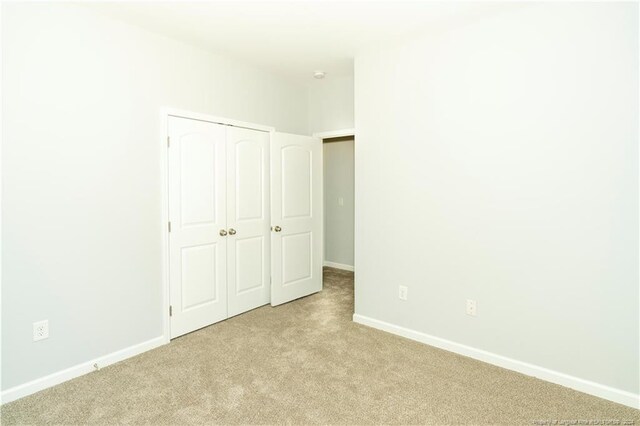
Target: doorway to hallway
x: 338, y: 161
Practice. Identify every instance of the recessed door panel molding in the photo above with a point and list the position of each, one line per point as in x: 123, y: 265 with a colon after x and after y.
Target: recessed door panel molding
x: 250, y: 180
x: 297, y: 166
x: 197, y: 179
x: 250, y: 266
x: 249, y: 261
x: 197, y: 213
x: 296, y: 216
x: 198, y: 276
x: 297, y: 249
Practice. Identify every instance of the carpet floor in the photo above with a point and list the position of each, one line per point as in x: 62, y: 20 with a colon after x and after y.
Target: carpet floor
x: 306, y: 362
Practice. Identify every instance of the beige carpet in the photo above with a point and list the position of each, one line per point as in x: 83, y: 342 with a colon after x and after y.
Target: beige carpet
x: 306, y: 363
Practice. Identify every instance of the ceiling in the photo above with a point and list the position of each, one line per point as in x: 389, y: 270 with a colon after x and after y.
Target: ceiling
x: 291, y: 38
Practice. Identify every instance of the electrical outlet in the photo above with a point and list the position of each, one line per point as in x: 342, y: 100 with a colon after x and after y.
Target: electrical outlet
x: 40, y: 330
x: 402, y: 292
x: 471, y: 307
x: 340, y: 201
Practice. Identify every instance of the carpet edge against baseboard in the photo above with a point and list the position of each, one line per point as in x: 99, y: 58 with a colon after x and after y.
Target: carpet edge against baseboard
x: 53, y: 379
x: 592, y: 388
x: 582, y: 385
x: 336, y: 265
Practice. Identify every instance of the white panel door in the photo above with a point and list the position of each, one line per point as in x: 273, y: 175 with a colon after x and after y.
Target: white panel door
x: 296, y: 217
x: 197, y: 250
x: 248, y: 264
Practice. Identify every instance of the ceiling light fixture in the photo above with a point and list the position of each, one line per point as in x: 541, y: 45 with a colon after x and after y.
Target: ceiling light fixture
x: 319, y: 75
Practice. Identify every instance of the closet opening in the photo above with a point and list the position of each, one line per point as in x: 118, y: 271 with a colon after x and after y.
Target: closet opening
x: 242, y: 218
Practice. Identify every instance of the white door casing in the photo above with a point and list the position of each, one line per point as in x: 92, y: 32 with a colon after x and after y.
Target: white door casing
x: 197, y: 214
x: 296, y: 216
x: 248, y: 247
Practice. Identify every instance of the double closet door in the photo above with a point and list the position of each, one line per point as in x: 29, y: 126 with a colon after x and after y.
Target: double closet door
x: 219, y: 239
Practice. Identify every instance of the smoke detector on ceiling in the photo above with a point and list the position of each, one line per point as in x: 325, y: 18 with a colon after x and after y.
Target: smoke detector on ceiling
x: 319, y: 75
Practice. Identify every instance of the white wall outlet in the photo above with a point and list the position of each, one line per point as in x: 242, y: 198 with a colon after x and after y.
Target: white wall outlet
x: 341, y: 201
x: 40, y: 330
x: 472, y: 308
x: 402, y: 292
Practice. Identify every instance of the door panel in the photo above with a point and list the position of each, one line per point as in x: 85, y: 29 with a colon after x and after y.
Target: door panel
x: 296, y: 182
x: 249, y: 179
x: 197, y: 253
x: 197, y: 180
x: 296, y: 211
x: 248, y: 215
x: 250, y: 270
x: 297, y: 249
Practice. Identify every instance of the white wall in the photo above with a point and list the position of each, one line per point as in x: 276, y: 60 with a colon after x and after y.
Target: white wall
x: 498, y: 161
x: 338, y: 184
x: 81, y: 174
x: 331, y: 103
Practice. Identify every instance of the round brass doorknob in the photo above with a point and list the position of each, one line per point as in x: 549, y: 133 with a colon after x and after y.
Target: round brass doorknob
x: 232, y: 231
x: 277, y: 229
x: 223, y: 233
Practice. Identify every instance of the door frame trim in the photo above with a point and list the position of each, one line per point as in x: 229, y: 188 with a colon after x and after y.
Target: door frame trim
x: 335, y: 134
x: 165, y: 113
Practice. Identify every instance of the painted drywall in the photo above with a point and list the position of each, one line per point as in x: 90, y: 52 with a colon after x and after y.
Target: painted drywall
x: 498, y: 161
x: 338, y: 201
x: 81, y: 174
x: 331, y: 103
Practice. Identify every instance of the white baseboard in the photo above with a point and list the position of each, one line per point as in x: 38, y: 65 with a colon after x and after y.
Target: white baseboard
x: 586, y: 386
x: 338, y: 265
x: 42, y: 383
